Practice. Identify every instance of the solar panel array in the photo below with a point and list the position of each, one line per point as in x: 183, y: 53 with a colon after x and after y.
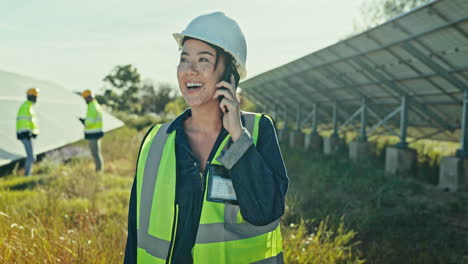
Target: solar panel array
x: 57, y: 111
x: 422, y: 55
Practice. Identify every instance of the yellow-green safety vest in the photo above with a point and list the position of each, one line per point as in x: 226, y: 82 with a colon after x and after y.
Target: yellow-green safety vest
x: 93, y: 120
x: 223, y: 236
x: 26, y: 121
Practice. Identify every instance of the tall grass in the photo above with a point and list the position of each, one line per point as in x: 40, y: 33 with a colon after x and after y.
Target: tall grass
x: 337, y: 212
x: 397, y: 220
x: 67, y: 213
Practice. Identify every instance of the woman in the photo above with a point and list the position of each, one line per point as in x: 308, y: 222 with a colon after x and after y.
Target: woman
x: 210, y: 185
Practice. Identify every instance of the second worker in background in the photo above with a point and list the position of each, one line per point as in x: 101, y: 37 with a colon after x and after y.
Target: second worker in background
x: 93, y: 127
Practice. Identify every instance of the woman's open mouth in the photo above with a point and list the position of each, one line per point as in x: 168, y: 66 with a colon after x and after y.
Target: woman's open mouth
x: 193, y: 87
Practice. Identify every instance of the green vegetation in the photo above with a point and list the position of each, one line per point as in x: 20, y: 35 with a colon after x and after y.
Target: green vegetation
x: 125, y: 91
x: 397, y: 220
x: 337, y: 212
x: 376, y: 12
x: 67, y: 213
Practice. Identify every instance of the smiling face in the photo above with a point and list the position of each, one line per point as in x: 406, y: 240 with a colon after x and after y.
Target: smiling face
x: 198, y: 72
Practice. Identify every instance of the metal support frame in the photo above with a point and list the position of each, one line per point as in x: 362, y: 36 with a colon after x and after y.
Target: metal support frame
x: 393, y: 84
x: 343, y: 80
x: 396, y: 88
x: 463, y: 151
x: 362, y: 111
x: 403, y: 111
x: 403, y: 123
x: 308, y: 117
x: 335, y: 120
x: 453, y: 80
x: 267, y: 99
x: 341, y: 59
x: 301, y: 82
x: 415, y: 70
x: 273, y: 95
x: 351, y: 118
x: 298, y: 117
x: 315, y: 121
x: 384, y: 120
x: 363, y: 135
x: 290, y: 101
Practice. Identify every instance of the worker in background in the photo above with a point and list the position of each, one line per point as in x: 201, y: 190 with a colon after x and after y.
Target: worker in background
x: 93, y: 127
x: 27, y: 127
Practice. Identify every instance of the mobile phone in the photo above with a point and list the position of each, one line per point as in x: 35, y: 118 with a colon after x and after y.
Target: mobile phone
x: 227, y: 77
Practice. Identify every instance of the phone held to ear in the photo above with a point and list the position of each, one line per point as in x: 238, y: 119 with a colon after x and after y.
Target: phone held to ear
x: 227, y: 77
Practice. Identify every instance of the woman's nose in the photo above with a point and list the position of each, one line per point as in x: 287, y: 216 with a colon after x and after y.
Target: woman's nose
x: 193, y: 68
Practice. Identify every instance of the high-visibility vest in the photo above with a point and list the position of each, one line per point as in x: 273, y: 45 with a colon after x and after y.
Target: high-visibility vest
x: 26, y: 121
x: 223, y: 236
x: 93, y: 120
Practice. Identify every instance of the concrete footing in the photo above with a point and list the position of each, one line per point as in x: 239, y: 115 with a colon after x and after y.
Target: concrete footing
x: 453, y: 174
x: 359, y: 151
x: 313, y: 142
x: 332, y: 145
x: 400, y: 161
x: 296, y: 139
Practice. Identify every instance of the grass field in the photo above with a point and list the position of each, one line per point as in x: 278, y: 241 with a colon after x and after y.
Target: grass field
x: 337, y: 212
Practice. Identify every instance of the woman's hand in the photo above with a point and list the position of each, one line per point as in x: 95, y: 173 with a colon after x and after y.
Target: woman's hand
x: 230, y: 107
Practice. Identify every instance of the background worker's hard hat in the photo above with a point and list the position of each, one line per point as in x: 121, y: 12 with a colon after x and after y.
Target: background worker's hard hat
x: 86, y: 93
x: 219, y: 30
x: 32, y: 91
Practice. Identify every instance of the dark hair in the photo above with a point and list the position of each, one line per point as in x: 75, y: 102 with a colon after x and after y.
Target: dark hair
x: 219, y: 53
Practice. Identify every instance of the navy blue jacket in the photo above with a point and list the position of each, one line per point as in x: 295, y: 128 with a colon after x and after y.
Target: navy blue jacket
x: 259, y: 179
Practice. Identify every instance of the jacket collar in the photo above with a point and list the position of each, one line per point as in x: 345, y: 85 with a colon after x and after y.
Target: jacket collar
x: 178, y: 122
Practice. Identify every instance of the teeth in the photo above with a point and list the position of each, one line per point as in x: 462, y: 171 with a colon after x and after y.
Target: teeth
x: 192, y: 84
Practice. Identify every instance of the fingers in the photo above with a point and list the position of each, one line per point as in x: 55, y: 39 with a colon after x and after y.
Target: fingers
x: 224, y: 92
x: 228, y: 105
x: 228, y: 85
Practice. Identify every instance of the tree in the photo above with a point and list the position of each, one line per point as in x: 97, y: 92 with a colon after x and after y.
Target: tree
x: 376, y: 12
x: 148, y: 97
x: 154, y: 100
x: 175, y: 107
x: 122, y: 90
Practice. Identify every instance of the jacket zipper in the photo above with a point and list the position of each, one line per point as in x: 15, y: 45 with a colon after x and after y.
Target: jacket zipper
x: 202, y: 180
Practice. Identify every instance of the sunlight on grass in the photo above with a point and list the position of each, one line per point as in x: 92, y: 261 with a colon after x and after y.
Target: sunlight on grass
x: 336, y: 211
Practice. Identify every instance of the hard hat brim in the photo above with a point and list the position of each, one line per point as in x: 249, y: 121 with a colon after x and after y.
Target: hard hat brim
x: 240, y: 68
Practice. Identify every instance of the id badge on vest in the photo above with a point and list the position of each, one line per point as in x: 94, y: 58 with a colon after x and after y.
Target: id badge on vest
x: 220, y: 188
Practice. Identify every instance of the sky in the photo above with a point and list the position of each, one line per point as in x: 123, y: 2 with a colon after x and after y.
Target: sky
x: 76, y: 43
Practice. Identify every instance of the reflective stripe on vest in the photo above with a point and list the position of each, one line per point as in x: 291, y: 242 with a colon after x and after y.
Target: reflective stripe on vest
x: 223, y: 236
x: 93, y: 120
x: 26, y: 119
x: 155, y: 231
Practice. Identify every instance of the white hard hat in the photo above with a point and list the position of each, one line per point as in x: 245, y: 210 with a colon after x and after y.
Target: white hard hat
x: 219, y: 30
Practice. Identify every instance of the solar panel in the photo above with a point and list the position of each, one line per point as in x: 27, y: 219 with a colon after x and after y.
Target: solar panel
x: 422, y: 55
x: 57, y: 111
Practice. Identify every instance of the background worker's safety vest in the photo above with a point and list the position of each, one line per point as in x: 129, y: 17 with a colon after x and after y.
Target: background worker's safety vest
x: 93, y: 121
x: 223, y: 237
x: 26, y: 122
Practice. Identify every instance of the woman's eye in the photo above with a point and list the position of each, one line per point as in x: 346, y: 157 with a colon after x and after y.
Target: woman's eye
x: 183, y: 60
x: 203, y: 60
